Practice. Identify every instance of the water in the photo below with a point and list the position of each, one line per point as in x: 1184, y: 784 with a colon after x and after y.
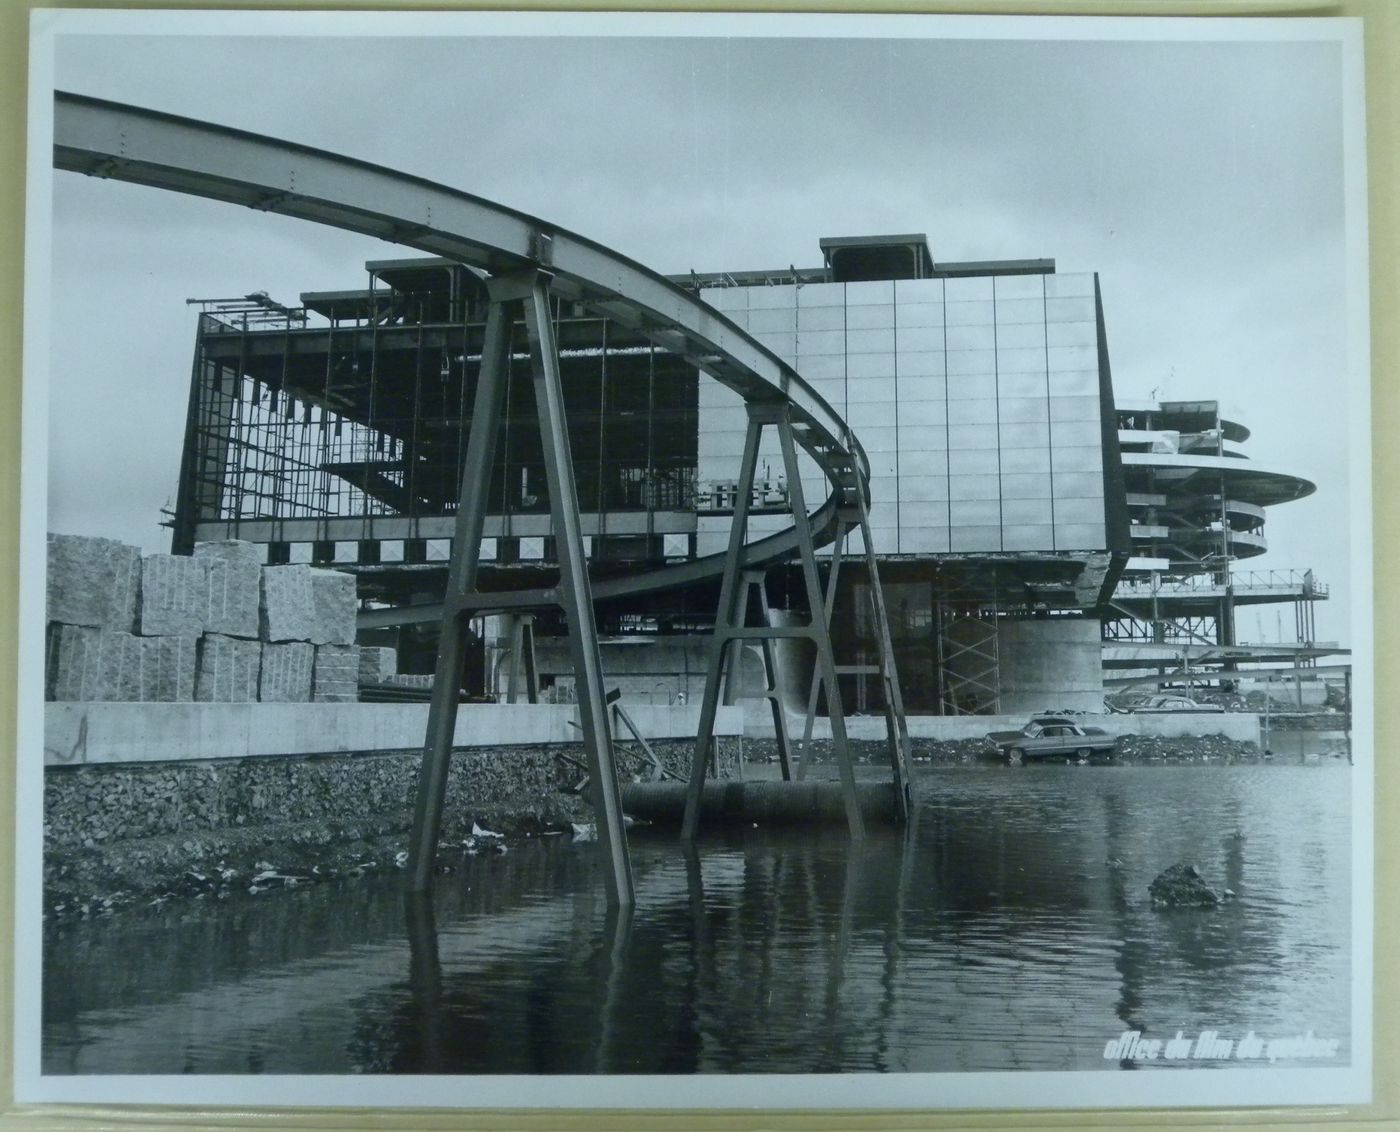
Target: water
x: 1011, y: 930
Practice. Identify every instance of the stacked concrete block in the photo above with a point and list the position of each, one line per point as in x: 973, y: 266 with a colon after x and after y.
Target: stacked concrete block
x: 336, y: 676
x: 168, y: 669
x: 286, y: 672
x: 334, y: 606
x: 93, y: 582
x: 229, y: 668
x: 85, y: 662
x: 235, y: 587
x: 377, y: 663
x: 214, y: 627
x: 174, y: 595
x: 288, y: 605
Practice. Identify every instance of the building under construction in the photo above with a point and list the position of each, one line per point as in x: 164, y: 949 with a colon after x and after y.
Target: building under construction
x: 1016, y: 511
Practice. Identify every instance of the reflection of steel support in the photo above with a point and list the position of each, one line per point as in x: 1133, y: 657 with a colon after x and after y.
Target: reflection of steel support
x: 527, y: 289
x: 730, y: 618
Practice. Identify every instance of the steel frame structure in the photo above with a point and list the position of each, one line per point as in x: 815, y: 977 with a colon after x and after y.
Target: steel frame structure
x: 527, y: 261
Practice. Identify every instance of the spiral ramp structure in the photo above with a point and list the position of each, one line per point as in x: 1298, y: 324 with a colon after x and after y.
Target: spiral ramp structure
x: 526, y: 263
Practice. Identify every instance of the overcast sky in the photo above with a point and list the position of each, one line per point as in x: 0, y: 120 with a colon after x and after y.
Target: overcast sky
x: 1202, y: 180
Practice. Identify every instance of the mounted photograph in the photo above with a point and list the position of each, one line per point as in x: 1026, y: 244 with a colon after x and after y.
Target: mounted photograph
x: 687, y: 561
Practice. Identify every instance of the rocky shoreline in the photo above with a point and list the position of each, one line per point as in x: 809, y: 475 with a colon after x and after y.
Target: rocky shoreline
x: 236, y: 835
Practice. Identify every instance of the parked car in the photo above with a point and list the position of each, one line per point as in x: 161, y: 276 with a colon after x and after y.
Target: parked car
x: 1167, y: 702
x: 1048, y: 736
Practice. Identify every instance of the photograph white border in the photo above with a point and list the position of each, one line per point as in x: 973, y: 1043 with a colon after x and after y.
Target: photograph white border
x: 1218, y: 1087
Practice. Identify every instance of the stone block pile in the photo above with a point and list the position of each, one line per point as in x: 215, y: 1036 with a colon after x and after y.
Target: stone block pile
x: 217, y: 626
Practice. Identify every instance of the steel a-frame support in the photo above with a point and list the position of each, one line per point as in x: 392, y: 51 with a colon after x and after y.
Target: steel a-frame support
x: 730, y: 617
x: 897, y: 743
x: 527, y: 290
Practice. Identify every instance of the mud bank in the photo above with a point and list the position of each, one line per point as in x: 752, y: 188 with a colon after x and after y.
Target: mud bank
x: 133, y: 833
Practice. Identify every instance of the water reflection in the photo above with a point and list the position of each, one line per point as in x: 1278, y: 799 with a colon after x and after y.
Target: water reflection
x: 1010, y: 928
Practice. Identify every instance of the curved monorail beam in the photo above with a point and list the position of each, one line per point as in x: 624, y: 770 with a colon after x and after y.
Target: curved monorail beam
x: 146, y: 147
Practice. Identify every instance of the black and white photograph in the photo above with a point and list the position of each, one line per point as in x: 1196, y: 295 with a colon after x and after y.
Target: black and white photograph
x: 689, y: 561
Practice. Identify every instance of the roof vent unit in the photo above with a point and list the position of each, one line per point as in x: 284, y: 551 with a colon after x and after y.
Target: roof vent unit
x: 858, y: 259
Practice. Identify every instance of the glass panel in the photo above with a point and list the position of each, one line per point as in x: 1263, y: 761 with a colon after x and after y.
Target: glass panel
x: 919, y: 314
x: 923, y: 540
x: 1079, y: 510
x: 1084, y: 459
x: 920, y: 364
x: 1075, y: 383
x: 1023, y: 410
x: 870, y: 365
x: 727, y: 299
x: 968, y: 287
x: 1074, y: 434
x: 1011, y: 385
x: 1026, y: 511
x: 821, y: 295
x: 969, y: 513
x: 764, y: 298
x: 877, y: 440
x: 1019, y: 286
x: 821, y: 318
x: 1025, y: 486
x: 782, y: 344
x: 1068, y: 485
x: 918, y: 414
x: 1071, y: 310
x: 973, y: 436
x: 871, y: 389
x: 919, y: 338
x: 1034, y: 435
x: 1018, y: 536
x: 1010, y: 311
x: 776, y: 318
x: 820, y: 366
x: 974, y: 462
x: 963, y: 412
x: 1072, y: 358
x: 966, y: 387
x: 918, y: 489
x: 971, y: 361
x: 969, y: 314
x: 870, y: 341
x: 966, y: 539
x: 1079, y: 536
x: 1071, y: 334
x: 863, y: 413
x: 822, y: 341
x: 919, y: 291
x: 982, y: 488
x: 923, y: 514
x: 874, y: 291
x: 1021, y: 360
x: 1016, y: 461
x: 873, y: 317
x: 1019, y: 335
x: 1074, y: 409
x: 1058, y: 286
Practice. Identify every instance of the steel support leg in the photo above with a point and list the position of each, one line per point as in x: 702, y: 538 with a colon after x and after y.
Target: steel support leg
x: 575, y: 593
x: 772, y: 691
x: 896, y: 726
x: 466, y: 552
x: 725, y: 617
x: 821, y: 635
x: 814, y: 692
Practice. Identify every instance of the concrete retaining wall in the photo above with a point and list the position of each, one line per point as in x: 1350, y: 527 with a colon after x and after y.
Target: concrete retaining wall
x: 81, y: 733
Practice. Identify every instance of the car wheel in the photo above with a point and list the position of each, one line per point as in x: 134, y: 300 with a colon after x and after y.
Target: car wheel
x: 1083, y: 754
x: 1015, y: 756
